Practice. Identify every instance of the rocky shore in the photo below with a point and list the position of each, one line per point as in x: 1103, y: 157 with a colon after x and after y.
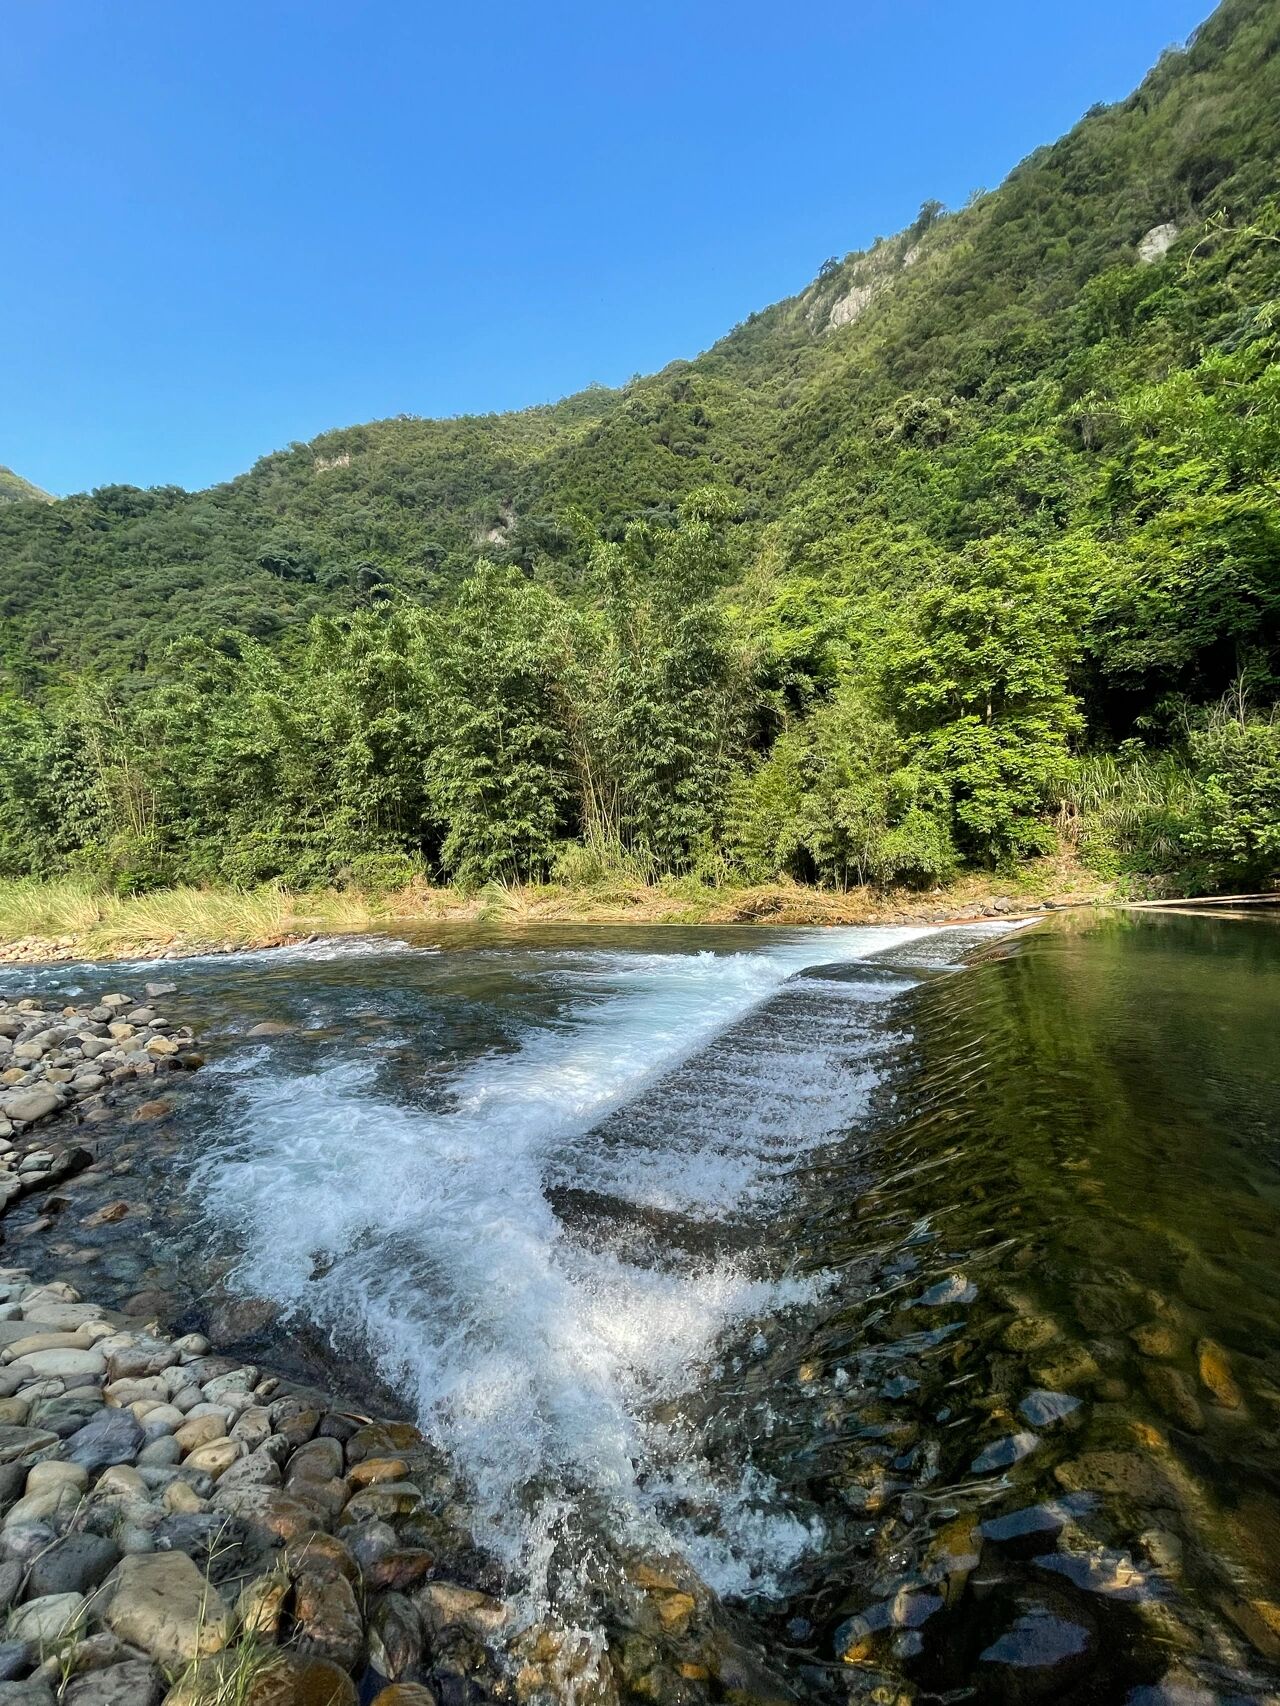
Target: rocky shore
x: 191, y: 1528
x: 71, y: 1058
x: 179, y: 1527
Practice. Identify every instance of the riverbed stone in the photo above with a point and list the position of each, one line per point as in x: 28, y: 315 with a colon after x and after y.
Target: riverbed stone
x: 260, y: 1606
x: 41, y: 1507
x: 135, y: 1682
x: 216, y: 1457
x: 373, y: 1469
x: 446, y: 1605
x: 112, y: 1437
x: 317, y: 1460
x: 382, y: 1439
x: 395, y: 1636
x: 257, y: 1469
x: 32, y: 1691
x: 48, y: 1618
x: 161, y: 1603
x: 285, y: 1518
x: 318, y: 1553
x: 76, y: 1564
x: 54, y: 1473
x: 66, y: 1364
x: 406, y: 1694
x: 328, y: 1618
x: 160, y: 1452
x: 399, y: 1569
x: 25, y: 1106
x: 1215, y: 1372
x: 200, y: 1430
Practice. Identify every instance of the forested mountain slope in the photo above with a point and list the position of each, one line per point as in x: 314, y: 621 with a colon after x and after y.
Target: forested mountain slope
x: 996, y: 496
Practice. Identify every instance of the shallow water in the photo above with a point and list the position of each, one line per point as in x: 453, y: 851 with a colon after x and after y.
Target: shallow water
x: 917, y: 1289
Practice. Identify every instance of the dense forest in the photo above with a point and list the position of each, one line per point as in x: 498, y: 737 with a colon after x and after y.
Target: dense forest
x: 970, y: 548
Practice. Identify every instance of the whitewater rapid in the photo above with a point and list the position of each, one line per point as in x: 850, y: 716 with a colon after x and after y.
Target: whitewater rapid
x: 533, y: 1345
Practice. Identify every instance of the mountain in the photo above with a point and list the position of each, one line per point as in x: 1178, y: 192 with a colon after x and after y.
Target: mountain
x: 14, y: 489
x: 1044, y: 426
x: 122, y: 572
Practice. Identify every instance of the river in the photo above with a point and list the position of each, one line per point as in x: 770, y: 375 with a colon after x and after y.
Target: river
x: 911, y: 1296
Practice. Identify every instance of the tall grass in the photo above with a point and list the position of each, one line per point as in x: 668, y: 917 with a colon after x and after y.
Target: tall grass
x: 1132, y: 808
x: 67, y: 906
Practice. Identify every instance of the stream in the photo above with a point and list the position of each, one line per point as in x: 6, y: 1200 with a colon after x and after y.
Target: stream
x: 904, y: 1303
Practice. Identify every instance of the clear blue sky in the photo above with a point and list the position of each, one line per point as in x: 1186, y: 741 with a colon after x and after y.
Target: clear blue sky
x: 229, y: 224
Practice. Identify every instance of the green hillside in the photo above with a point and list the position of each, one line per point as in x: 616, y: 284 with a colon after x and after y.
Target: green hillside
x: 972, y: 544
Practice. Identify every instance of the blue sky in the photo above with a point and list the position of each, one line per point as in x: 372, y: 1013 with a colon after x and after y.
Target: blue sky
x: 229, y: 226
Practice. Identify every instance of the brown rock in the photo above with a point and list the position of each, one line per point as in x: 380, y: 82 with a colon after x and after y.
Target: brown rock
x: 1173, y: 1392
x: 399, y: 1569
x: 328, y: 1618
x: 395, y: 1636
x: 111, y: 1212
x: 1155, y: 1339
x: 406, y: 1694
x: 154, y: 1110
x: 298, y: 1427
x: 279, y: 1515
x: 385, y: 1501
x: 374, y: 1469
x: 261, y: 1605
x: 382, y: 1439
x: 317, y: 1460
x: 161, y: 1603
x: 445, y: 1605
x: 241, y: 1318
x: 316, y: 1553
x: 305, y: 1681
x: 1215, y: 1372
x: 1120, y: 1474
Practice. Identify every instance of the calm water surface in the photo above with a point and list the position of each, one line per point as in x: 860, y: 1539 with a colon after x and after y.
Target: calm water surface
x: 911, y: 1297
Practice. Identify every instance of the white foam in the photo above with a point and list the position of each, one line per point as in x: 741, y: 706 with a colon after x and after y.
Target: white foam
x: 531, y: 1353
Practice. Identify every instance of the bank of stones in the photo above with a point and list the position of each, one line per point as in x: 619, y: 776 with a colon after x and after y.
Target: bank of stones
x: 75, y: 1059
x: 179, y: 1527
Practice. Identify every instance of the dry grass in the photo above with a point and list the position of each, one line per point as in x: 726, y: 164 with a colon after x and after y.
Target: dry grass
x: 68, y: 919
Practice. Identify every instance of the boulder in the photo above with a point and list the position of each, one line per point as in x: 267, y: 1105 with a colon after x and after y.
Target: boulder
x: 161, y: 1603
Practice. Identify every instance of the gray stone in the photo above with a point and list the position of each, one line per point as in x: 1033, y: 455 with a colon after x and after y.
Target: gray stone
x: 1042, y: 1409
x: 1003, y: 1453
x: 23, y: 1442
x: 35, y: 1691
x: 77, y: 1564
x: 17, y: 1658
x: 111, y: 1437
x: 48, y: 1618
x: 28, y: 1105
x: 137, y: 1682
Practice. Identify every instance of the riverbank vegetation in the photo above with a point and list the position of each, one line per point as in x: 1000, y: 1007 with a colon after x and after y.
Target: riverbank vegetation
x: 967, y: 554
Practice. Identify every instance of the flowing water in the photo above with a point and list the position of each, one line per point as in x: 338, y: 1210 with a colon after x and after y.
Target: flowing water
x: 910, y: 1296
